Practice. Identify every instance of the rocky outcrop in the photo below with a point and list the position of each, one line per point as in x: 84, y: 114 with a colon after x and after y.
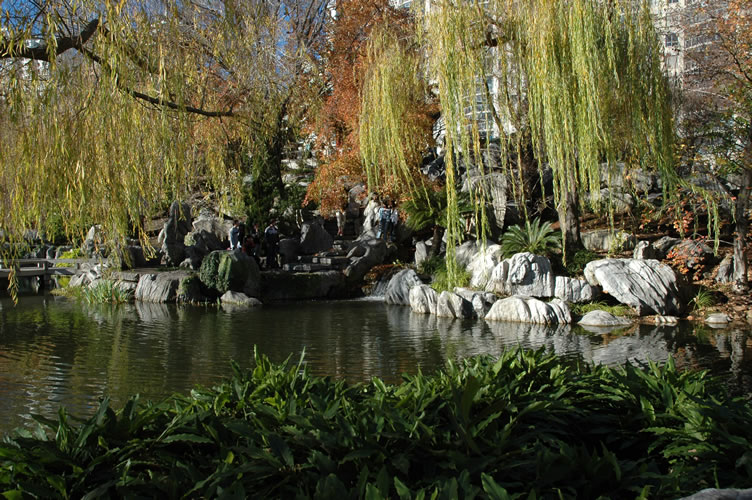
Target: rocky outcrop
x: 289, y: 249
x: 603, y: 318
x: 452, y: 305
x: 605, y: 240
x: 693, y: 254
x: 239, y: 299
x: 725, y: 272
x: 645, y: 250
x: 364, y: 254
x: 173, y: 233
x: 647, y: 285
x: 716, y: 494
x: 664, y: 246
x: 482, y: 264
x: 284, y: 286
x: 198, y: 244
x: 398, y: 289
x: 575, y: 291
x: 423, y: 299
x: 464, y: 253
x: 422, y: 249
x: 208, y: 222
x: 530, y: 310
x: 93, y: 244
x: 481, y: 301
x: 523, y: 274
x: 173, y: 286
x: 224, y: 270
x: 314, y: 238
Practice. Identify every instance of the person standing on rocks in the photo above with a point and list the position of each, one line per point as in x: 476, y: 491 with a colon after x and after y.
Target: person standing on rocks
x: 234, y: 235
x: 341, y: 215
x: 271, y: 238
x: 385, y: 219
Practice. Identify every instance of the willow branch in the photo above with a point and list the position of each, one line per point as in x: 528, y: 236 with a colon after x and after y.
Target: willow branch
x: 41, y: 52
x: 159, y: 101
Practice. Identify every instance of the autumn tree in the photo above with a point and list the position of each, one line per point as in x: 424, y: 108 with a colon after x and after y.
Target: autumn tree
x: 352, y: 62
x: 717, y: 108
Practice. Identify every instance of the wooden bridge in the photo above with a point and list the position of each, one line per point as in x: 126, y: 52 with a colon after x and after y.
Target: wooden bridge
x: 44, y: 268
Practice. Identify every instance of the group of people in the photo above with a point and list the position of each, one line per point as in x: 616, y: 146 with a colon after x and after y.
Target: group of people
x: 385, y: 215
x: 252, y: 244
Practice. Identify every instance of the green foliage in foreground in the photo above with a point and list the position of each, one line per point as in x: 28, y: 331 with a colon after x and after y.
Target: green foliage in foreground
x: 525, y: 426
x: 101, y: 292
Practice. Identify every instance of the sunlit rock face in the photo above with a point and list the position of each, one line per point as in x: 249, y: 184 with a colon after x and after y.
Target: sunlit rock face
x: 423, y: 299
x: 647, y: 285
x: 523, y: 274
x: 398, y: 289
x: 530, y: 310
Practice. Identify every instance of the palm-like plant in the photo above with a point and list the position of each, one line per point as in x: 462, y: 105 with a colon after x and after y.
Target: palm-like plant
x: 536, y: 237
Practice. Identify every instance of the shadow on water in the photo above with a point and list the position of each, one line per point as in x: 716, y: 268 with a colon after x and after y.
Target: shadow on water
x: 57, y: 352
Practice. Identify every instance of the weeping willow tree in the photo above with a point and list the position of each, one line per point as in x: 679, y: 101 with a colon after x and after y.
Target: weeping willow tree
x: 580, y: 79
x: 109, y: 110
x: 395, y: 118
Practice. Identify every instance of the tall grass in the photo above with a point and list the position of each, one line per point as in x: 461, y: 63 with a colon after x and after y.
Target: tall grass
x: 522, y: 426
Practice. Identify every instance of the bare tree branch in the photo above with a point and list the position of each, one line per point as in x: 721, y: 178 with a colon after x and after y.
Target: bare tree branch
x: 40, y: 51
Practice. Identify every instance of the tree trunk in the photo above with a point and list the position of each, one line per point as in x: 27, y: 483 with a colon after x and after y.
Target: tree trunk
x: 741, y: 229
x: 569, y: 221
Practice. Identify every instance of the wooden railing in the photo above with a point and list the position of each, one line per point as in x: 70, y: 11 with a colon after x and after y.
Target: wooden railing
x: 42, y: 267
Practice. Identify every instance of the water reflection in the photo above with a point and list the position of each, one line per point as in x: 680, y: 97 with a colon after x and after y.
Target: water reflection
x: 54, y: 351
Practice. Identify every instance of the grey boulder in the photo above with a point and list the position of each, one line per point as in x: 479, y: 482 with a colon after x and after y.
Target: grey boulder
x: 524, y: 274
x: 314, y: 238
x: 423, y: 299
x: 398, y: 289
x: 575, y: 291
x: 452, y: 305
x: 529, y: 310
x: 647, y: 285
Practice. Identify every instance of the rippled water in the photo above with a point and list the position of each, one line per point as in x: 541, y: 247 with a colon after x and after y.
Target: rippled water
x: 57, y: 352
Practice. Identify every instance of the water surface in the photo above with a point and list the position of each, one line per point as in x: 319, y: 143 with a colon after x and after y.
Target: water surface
x: 54, y: 351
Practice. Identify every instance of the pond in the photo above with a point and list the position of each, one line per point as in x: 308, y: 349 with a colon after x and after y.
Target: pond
x: 55, y: 352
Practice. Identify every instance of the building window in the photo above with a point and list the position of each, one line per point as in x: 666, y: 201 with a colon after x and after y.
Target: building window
x: 672, y: 41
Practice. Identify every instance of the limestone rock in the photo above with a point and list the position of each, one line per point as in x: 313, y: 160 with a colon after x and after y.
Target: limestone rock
x: 716, y: 494
x: 605, y: 240
x: 664, y: 245
x: 178, y: 224
x: 666, y: 320
x: 603, y: 318
x: 280, y: 285
x: 465, y: 253
x: 575, y: 291
x: 314, y: 238
x: 163, y: 287
x: 645, y: 250
x: 422, y: 248
x: 398, y: 289
x: 364, y: 254
x: 225, y: 270
x: 529, y: 310
x: 725, y: 273
x: 240, y: 299
x: 717, y: 319
x: 452, y: 305
x: 482, y: 264
x: 289, y: 249
x: 647, y: 285
x: 481, y: 301
x: 423, y: 299
x: 208, y: 222
x: 523, y: 274
x: 693, y: 254
x: 93, y: 242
